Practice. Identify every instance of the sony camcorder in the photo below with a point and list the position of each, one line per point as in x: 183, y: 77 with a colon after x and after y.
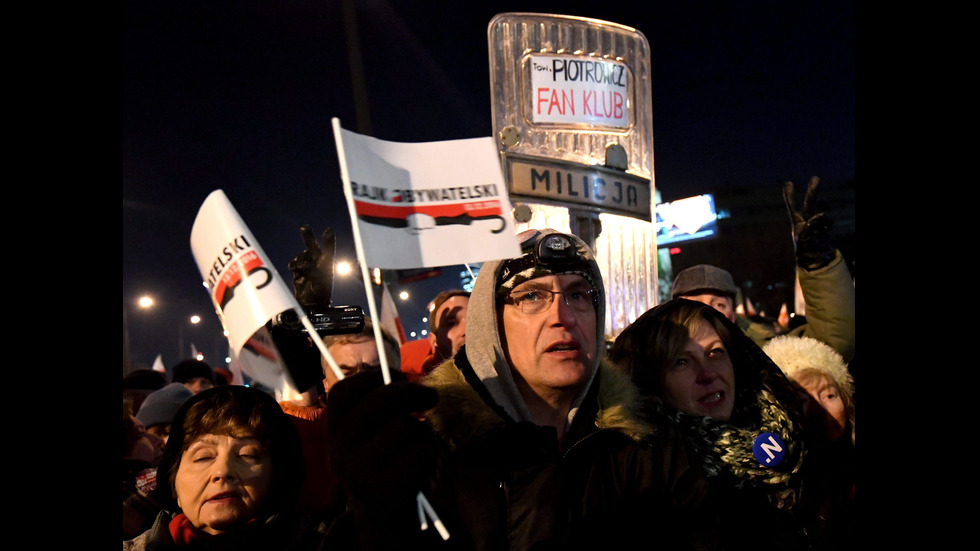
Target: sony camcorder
x: 331, y: 321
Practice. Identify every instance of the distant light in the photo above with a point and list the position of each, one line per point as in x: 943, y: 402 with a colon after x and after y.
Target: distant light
x: 199, y: 357
x: 403, y: 295
x: 343, y: 268
x: 412, y: 334
x: 195, y: 319
x: 675, y: 250
x: 227, y: 359
x: 145, y: 301
x: 425, y: 319
x: 425, y: 332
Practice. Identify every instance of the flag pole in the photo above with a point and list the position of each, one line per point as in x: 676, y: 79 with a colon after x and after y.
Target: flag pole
x: 420, y: 498
x: 360, y: 251
x: 315, y: 337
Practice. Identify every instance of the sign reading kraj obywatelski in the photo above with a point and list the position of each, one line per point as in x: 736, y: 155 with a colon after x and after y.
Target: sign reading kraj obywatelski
x: 426, y: 204
x: 574, y: 90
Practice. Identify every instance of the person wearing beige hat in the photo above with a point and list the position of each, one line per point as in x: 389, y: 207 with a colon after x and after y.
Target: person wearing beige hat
x: 826, y: 387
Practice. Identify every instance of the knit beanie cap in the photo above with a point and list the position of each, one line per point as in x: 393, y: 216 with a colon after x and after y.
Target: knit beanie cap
x: 160, y: 406
x: 794, y: 354
x: 144, y: 379
x: 192, y: 369
x: 553, y: 254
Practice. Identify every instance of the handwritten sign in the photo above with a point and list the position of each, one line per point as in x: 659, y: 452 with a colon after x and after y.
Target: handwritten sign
x: 575, y: 90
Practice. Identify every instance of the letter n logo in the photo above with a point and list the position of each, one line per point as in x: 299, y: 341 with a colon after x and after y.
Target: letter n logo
x: 769, y: 449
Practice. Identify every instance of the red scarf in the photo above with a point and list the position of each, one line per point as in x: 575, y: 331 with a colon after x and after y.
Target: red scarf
x: 185, y: 534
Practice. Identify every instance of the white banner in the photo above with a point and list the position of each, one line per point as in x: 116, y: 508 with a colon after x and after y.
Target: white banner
x: 244, y: 286
x: 426, y: 204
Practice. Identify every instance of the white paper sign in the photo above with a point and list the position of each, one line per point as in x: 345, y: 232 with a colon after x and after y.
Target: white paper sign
x: 576, y: 90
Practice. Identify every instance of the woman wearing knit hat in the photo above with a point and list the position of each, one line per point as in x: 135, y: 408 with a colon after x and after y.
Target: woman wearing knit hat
x: 827, y: 388
x: 155, y: 415
x: 703, y: 376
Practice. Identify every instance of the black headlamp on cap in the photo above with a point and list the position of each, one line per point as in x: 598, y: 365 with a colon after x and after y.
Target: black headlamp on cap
x: 554, y: 253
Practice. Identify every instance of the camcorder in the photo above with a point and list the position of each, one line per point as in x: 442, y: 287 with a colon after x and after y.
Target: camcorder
x: 332, y: 321
x: 301, y: 356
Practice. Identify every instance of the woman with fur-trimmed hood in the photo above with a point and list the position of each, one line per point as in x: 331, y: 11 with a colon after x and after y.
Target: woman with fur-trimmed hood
x: 700, y: 374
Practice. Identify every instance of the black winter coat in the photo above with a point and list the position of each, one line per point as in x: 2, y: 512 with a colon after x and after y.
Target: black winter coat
x: 503, y: 484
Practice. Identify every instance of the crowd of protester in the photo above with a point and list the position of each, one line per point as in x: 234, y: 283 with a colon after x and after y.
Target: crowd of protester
x: 515, y: 425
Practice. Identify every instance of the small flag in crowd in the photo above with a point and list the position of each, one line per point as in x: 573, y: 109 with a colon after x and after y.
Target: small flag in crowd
x: 390, y: 319
x: 426, y: 204
x: 158, y: 364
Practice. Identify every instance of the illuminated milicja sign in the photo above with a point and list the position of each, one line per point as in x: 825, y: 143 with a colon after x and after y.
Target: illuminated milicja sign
x: 595, y: 188
x: 571, y: 101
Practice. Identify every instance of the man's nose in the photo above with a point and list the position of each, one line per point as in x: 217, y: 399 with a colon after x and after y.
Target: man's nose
x: 560, y: 307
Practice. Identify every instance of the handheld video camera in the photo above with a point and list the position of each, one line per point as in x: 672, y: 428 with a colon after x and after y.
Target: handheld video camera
x: 298, y: 352
x: 332, y: 321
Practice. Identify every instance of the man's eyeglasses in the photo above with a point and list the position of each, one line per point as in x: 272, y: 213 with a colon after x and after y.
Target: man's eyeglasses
x: 535, y: 301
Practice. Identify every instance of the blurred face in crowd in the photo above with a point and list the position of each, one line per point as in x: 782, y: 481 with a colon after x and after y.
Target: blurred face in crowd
x: 722, y: 303
x: 822, y: 403
x: 198, y: 384
x: 701, y: 381
x: 146, y: 446
x: 450, y: 332
x: 351, y: 358
x: 222, y: 481
x: 552, y: 351
x: 161, y: 431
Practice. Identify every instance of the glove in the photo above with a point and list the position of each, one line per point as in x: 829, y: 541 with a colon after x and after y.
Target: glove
x: 382, y: 453
x: 313, y: 270
x: 811, y: 230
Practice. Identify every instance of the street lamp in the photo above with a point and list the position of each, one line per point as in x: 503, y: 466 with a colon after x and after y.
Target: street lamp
x: 144, y: 302
x: 194, y: 319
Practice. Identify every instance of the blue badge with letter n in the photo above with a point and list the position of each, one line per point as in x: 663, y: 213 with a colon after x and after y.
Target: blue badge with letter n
x: 769, y: 449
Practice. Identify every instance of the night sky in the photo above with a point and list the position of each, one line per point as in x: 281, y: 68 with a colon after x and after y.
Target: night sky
x: 239, y: 95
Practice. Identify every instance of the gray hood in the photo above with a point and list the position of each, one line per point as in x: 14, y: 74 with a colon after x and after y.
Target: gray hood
x: 483, y: 348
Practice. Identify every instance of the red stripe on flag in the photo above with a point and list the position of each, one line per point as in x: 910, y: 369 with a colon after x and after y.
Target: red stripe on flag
x: 475, y: 209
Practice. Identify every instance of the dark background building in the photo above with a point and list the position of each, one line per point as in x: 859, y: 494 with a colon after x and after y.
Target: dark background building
x: 754, y: 240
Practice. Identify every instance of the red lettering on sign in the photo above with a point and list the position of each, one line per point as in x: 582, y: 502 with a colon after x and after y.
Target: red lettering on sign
x: 608, y: 104
x: 556, y: 100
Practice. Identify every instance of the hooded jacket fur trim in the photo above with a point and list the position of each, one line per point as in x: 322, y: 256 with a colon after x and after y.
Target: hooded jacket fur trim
x: 463, y: 416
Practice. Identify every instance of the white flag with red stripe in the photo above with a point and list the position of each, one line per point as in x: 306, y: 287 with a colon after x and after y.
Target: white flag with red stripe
x: 426, y: 204
x: 244, y: 286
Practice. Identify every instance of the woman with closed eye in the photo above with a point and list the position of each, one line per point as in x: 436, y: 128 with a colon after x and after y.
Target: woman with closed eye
x: 229, y: 477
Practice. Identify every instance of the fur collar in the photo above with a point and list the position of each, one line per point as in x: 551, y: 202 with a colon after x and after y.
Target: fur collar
x: 463, y: 416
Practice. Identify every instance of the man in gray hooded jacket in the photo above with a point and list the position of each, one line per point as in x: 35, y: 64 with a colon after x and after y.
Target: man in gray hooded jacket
x: 538, y: 443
